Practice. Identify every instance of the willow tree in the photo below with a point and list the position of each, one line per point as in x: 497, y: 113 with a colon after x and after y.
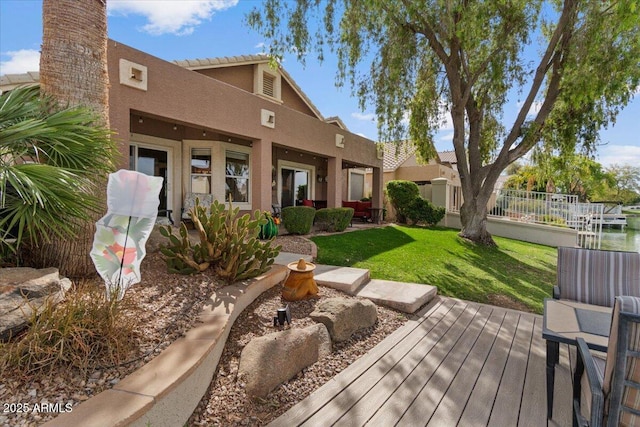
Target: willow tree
x: 73, y: 72
x: 572, y: 63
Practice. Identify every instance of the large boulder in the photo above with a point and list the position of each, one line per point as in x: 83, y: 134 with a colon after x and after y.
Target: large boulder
x: 270, y: 360
x: 344, y: 316
x: 23, y: 290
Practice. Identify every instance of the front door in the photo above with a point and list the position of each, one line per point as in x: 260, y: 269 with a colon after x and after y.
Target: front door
x: 153, y: 162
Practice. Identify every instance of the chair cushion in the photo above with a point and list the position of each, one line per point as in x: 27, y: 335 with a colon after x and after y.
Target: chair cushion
x: 585, y: 390
x: 631, y: 395
x: 595, y: 276
x: 190, y: 201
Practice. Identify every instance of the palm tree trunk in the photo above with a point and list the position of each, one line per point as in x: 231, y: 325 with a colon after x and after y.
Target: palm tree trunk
x: 73, y: 70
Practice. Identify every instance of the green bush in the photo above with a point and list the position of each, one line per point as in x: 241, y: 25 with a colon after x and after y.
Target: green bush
x: 333, y: 219
x: 298, y: 219
x: 229, y: 243
x: 401, y: 194
x: 422, y: 210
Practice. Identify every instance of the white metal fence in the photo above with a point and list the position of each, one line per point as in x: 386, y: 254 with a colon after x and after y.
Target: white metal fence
x: 560, y: 210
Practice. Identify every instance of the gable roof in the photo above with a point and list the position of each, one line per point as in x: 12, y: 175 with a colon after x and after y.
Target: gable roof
x: 11, y: 81
x: 396, y: 154
x: 335, y: 120
x: 234, y: 61
x: 448, y: 157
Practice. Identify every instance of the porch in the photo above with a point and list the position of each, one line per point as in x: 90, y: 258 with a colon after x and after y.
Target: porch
x: 458, y: 363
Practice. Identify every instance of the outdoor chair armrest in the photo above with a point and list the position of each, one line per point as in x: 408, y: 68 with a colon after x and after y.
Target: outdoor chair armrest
x: 585, y: 364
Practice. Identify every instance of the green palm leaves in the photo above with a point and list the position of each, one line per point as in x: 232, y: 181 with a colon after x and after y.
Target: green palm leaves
x: 51, y: 159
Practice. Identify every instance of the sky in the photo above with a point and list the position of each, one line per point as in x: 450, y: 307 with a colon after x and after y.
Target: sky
x: 189, y: 29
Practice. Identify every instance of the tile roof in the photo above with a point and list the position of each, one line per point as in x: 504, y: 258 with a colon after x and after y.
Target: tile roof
x: 396, y: 154
x: 226, y: 61
x: 20, y: 79
x: 448, y: 157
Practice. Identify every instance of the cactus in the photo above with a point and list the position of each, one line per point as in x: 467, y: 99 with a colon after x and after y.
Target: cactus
x: 228, y: 243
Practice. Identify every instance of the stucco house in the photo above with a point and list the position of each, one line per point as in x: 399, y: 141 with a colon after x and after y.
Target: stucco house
x: 229, y: 127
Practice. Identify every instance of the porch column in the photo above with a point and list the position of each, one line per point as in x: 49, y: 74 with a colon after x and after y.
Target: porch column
x: 377, y: 186
x: 334, y: 186
x: 261, y: 175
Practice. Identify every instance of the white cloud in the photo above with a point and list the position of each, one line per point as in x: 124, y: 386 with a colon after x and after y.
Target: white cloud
x: 369, y: 117
x: 173, y: 17
x: 446, y: 137
x: 619, y: 154
x: 20, y: 61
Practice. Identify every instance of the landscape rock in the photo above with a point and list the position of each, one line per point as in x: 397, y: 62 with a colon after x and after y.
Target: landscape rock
x: 344, y: 316
x: 23, y: 290
x: 272, y: 359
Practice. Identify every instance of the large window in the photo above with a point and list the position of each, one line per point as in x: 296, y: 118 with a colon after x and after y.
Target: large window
x: 237, y: 177
x: 356, y: 185
x: 201, y: 170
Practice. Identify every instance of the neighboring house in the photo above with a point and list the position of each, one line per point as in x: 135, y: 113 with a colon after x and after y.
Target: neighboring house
x: 229, y: 127
x: 400, y: 162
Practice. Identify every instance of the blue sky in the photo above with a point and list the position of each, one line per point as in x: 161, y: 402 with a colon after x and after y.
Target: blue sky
x: 174, y: 30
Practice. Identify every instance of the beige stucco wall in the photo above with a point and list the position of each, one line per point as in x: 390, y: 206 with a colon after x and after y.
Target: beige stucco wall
x: 177, y: 95
x: 527, y: 232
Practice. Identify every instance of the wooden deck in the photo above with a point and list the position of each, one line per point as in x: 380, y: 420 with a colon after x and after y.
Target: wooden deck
x: 460, y: 363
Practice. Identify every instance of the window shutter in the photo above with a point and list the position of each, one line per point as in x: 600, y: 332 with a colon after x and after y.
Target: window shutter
x: 268, y: 85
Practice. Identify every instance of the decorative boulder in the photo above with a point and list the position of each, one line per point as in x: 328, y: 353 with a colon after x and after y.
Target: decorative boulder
x: 268, y: 361
x: 23, y: 290
x: 344, y: 316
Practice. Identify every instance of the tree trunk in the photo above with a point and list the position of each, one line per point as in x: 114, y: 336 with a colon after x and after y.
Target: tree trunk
x: 73, y: 70
x: 473, y: 216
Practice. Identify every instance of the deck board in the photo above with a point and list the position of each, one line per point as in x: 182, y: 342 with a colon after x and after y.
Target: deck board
x: 460, y: 363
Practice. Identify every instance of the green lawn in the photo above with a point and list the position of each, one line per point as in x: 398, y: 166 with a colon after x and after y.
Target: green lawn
x: 521, y: 271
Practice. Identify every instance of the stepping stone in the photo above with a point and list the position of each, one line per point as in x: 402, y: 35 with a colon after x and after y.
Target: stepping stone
x: 405, y: 297
x: 345, y: 279
x: 285, y: 258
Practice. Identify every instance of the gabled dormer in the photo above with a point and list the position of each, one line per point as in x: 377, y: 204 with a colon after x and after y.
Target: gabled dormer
x: 267, y: 82
x: 255, y: 74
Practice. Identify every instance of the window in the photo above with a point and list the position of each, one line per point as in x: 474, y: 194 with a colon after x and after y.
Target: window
x: 201, y: 170
x: 356, y: 185
x: 237, y: 177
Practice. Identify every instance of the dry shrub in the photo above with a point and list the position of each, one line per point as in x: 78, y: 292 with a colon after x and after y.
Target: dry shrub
x: 83, y: 332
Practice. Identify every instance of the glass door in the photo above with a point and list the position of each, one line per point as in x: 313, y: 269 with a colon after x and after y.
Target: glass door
x: 153, y: 162
x: 295, y: 186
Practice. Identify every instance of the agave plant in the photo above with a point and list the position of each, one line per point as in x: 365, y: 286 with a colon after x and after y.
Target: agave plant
x: 50, y: 161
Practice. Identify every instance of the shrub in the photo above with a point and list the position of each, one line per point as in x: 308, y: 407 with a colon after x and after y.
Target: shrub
x: 422, y: 210
x: 83, y: 331
x: 229, y: 243
x: 333, y: 219
x: 401, y: 194
x: 298, y: 219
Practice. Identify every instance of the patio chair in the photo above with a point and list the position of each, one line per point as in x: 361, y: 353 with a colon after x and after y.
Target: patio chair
x: 607, y: 391
x: 206, y: 199
x: 276, y: 210
x: 596, y: 276
x: 592, y: 277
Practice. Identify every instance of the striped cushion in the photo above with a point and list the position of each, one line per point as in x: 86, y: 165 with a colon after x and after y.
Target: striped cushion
x: 596, y: 277
x: 631, y: 395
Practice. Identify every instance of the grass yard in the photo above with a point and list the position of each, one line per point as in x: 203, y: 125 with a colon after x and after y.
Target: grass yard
x: 518, y: 273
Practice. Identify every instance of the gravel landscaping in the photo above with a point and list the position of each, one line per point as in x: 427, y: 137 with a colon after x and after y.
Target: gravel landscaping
x: 165, y: 307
